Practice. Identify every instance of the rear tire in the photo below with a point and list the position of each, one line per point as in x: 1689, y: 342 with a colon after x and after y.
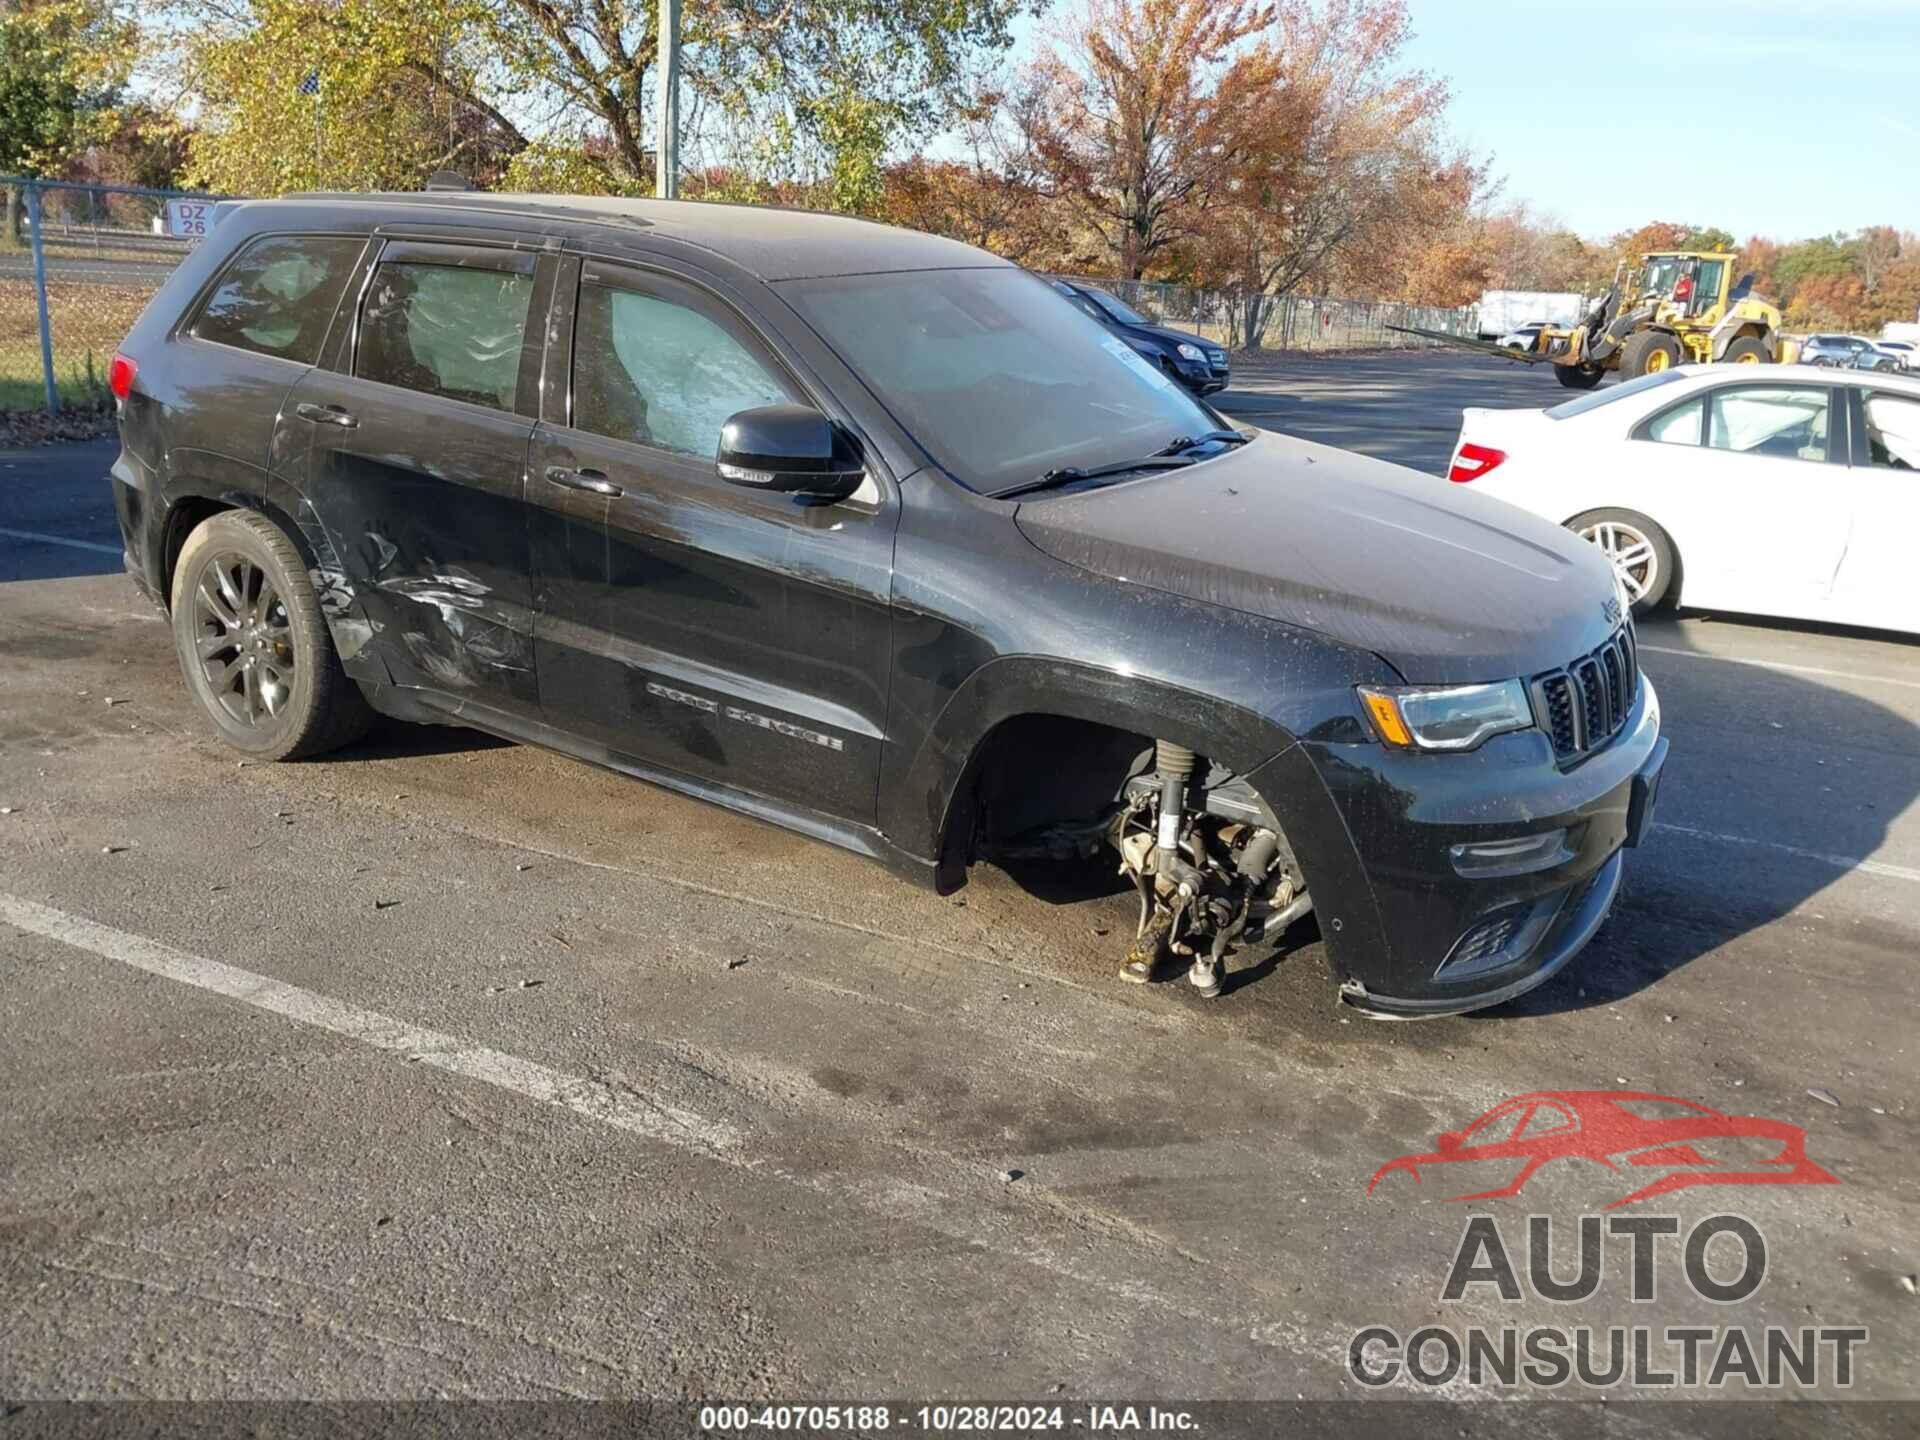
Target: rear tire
x: 1578, y: 377
x: 253, y: 647
x: 1745, y: 350
x: 1638, y: 549
x: 1649, y: 351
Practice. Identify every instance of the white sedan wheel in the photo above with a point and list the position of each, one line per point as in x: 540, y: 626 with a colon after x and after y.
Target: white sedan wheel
x: 1634, y: 558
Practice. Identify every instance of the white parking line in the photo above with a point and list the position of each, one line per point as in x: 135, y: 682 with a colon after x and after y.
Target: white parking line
x: 428, y: 1047
x: 1112, y: 1262
x: 1782, y: 665
x: 1839, y: 862
x: 60, y: 540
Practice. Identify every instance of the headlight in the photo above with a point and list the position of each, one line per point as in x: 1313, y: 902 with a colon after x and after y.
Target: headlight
x: 1456, y: 718
x: 1190, y: 352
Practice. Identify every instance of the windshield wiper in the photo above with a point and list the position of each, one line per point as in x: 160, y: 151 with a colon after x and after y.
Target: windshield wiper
x: 1183, y: 443
x: 1067, y: 474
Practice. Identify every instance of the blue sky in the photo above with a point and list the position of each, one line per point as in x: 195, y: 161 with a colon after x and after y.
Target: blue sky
x: 1787, y: 118
x: 1782, y: 117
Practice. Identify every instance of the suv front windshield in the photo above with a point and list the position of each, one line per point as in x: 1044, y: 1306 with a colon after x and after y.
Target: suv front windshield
x: 1119, y: 308
x: 996, y: 373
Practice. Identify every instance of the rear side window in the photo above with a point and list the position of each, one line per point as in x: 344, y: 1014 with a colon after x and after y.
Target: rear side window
x: 279, y: 294
x: 445, y: 330
x: 1785, y: 422
x: 1567, y: 409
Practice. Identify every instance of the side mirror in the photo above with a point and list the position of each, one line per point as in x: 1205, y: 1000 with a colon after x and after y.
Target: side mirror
x: 791, y: 450
x: 1448, y: 1142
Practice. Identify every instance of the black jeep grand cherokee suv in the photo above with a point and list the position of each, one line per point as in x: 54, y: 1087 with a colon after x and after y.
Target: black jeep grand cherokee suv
x: 876, y: 536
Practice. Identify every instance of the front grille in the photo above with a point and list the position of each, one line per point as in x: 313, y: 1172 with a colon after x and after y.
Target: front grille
x: 1585, y: 705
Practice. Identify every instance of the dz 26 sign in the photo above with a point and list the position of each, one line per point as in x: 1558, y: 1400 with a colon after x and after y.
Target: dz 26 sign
x: 189, y: 219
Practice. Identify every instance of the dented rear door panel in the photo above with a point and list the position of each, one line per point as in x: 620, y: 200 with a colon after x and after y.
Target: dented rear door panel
x: 419, y: 504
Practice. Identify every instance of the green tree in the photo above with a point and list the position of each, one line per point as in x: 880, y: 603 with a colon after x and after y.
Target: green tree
x: 353, y: 95
x: 1708, y: 237
x: 812, y: 91
x: 62, y: 66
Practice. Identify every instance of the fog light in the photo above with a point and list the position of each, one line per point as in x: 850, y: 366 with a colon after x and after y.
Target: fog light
x: 1491, y: 859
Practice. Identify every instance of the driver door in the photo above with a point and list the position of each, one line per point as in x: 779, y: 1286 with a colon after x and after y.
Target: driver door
x: 723, y: 633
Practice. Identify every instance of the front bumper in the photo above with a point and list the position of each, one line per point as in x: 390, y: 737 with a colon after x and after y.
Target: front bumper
x: 1406, y: 933
x: 1202, y: 377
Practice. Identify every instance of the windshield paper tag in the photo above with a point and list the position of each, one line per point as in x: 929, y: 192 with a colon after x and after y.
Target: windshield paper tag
x: 1126, y: 352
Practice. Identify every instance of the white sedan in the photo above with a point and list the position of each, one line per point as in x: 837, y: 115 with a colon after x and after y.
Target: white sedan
x: 1790, y: 490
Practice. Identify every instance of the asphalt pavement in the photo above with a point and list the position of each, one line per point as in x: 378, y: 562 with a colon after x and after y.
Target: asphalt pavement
x: 449, y: 1068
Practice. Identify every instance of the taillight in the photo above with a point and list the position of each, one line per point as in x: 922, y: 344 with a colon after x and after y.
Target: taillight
x: 1473, y: 461
x: 120, y: 376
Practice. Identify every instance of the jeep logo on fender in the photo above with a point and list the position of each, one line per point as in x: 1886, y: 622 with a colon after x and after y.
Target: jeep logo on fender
x: 1676, y: 1143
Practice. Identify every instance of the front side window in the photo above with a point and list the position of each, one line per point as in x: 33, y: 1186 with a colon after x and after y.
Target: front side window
x: 279, y: 295
x: 1893, y: 432
x: 1788, y: 423
x: 445, y: 330
x: 995, y: 373
x: 659, y: 372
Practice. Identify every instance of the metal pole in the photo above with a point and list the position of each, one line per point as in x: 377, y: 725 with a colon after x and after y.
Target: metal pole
x: 40, y: 295
x: 666, y: 154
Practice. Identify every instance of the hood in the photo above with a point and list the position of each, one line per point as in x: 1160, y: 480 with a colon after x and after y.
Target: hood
x: 1446, y: 586
x: 1176, y: 337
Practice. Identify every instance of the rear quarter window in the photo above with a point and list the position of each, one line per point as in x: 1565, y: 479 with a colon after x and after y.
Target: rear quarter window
x: 277, y: 296
x: 1595, y: 399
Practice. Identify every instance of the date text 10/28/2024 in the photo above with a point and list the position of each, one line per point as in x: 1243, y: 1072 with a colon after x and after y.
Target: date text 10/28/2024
x: 943, y: 1419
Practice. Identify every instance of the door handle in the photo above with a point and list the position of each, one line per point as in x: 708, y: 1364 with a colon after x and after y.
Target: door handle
x: 325, y: 415
x: 593, y: 480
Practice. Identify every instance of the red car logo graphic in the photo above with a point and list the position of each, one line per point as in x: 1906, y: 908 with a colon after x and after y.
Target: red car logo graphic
x: 1617, y: 1128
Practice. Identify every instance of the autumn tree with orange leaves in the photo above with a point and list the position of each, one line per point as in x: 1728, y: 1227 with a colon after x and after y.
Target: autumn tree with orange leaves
x: 1119, y: 109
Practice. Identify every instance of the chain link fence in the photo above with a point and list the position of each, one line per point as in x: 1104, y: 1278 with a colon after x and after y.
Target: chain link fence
x: 1282, y: 322
x: 78, y: 263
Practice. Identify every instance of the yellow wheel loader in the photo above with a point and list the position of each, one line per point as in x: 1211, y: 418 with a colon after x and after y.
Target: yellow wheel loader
x: 1676, y: 308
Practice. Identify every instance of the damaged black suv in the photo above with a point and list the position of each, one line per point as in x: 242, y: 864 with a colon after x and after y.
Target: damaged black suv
x: 876, y: 536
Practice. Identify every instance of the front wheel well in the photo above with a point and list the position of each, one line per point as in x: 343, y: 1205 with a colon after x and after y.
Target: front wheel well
x: 1036, y: 774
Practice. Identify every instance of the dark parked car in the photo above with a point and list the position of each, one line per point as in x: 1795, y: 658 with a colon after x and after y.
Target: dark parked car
x: 1193, y: 360
x: 875, y: 536
x: 1847, y: 352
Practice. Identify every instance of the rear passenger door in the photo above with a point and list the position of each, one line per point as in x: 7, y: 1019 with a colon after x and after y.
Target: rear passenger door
x: 722, y: 633
x: 412, y: 448
x: 253, y: 333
